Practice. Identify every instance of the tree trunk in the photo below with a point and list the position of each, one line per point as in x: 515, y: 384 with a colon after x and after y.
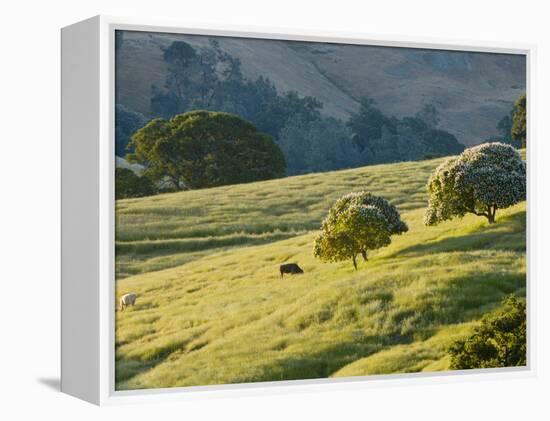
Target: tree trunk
x: 354, y: 262
x: 491, y: 212
x: 364, y: 254
x: 176, y: 182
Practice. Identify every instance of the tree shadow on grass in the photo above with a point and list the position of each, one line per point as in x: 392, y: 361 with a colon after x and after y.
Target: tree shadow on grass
x: 508, y: 233
x: 323, y: 363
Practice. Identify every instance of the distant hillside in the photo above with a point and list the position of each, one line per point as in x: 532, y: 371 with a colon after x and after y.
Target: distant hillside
x: 472, y: 91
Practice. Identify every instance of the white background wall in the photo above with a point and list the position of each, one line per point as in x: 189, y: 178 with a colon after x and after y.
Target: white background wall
x: 29, y: 205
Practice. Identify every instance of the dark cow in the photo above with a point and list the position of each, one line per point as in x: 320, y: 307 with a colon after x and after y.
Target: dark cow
x: 291, y: 268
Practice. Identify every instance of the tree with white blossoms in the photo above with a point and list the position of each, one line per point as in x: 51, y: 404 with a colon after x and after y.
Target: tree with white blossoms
x: 356, y: 223
x: 480, y: 180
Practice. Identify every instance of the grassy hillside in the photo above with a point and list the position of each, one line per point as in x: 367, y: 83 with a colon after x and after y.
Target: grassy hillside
x: 220, y: 313
x: 167, y: 230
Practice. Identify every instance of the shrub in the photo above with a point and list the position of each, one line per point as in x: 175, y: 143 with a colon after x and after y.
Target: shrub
x: 500, y: 341
x: 481, y: 180
x: 356, y: 223
x: 128, y: 184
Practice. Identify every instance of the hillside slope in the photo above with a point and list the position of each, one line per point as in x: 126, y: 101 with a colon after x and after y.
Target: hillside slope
x: 163, y: 231
x: 220, y: 313
x: 229, y: 318
x: 472, y: 90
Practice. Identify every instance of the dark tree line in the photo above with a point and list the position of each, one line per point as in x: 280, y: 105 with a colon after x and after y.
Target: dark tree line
x: 388, y: 139
x: 211, y: 79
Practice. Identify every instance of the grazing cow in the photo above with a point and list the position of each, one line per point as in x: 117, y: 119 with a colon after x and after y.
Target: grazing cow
x: 291, y: 268
x: 127, y: 300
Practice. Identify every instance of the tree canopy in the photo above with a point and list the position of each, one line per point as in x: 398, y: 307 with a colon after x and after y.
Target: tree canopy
x: 481, y: 180
x: 504, y: 129
x: 519, y: 123
x: 197, y: 78
x: 356, y: 223
x: 203, y: 149
x: 500, y: 341
x: 323, y: 144
x: 367, y: 125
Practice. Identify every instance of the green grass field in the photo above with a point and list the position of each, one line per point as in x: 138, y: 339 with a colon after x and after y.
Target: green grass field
x: 212, y: 309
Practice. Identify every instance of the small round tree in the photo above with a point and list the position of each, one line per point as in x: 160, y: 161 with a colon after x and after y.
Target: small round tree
x: 357, y: 223
x: 481, y: 180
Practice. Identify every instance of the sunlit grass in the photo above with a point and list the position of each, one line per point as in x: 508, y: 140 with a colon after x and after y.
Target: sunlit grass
x: 167, y: 230
x: 151, y: 230
x: 225, y: 316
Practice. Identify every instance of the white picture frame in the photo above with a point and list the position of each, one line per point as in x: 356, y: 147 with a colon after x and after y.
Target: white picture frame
x: 88, y: 162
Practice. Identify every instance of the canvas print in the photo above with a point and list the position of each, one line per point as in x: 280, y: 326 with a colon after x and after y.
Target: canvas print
x: 291, y: 210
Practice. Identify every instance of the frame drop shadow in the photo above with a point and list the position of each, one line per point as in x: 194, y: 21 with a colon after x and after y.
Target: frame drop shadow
x: 53, y: 383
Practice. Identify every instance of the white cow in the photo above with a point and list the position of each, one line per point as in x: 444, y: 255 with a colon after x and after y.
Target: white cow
x: 127, y: 299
